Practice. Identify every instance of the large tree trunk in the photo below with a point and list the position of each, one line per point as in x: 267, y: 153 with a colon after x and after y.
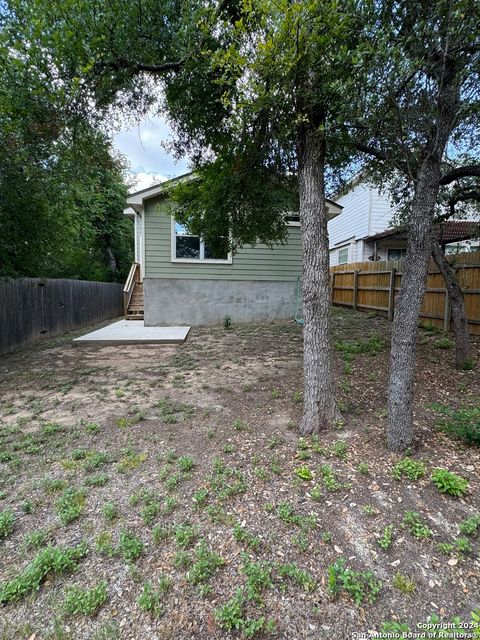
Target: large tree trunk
x: 407, y: 309
x: 457, y: 305
x: 319, y: 409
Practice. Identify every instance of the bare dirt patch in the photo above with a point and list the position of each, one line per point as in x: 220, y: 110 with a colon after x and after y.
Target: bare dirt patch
x: 196, y: 453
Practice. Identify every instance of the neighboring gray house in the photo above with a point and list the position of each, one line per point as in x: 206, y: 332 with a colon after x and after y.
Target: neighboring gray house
x: 181, y: 280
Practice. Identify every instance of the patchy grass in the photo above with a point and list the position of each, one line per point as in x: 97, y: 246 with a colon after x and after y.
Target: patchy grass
x: 204, y: 511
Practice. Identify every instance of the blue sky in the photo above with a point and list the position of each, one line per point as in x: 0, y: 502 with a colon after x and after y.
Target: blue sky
x: 142, y: 146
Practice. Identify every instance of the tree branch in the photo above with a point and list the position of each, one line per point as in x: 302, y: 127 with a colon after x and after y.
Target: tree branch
x: 460, y: 172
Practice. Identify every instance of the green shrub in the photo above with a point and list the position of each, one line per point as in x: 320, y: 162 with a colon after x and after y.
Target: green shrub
x: 463, y: 424
x: 129, y: 546
x: 7, y: 519
x: 412, y: 469
x: 110, y: 511
x: 85, y: 601
x: 206, y: 562
x: 360, y: 585
x: 470, y: 526
x: 70, y: 504
x: 49, y: 561
x: 450, y: 483
x: 445, y: 343
x: 304, y: 473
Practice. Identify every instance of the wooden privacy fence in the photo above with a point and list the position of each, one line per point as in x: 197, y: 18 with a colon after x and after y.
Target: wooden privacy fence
x: 374, y: 286
x: 32, y: 309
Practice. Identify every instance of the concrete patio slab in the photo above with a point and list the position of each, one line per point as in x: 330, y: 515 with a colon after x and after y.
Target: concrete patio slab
x: 133, y: 332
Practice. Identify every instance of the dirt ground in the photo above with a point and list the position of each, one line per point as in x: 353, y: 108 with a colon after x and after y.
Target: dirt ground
x: 191, y: 455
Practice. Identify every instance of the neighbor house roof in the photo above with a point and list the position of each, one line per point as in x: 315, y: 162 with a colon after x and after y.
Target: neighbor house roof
x: 445, y: 232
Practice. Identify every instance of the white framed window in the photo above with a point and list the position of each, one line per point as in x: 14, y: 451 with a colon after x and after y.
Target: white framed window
x: 190, y: 248
x: 342, y: 256
x: 396, y: 254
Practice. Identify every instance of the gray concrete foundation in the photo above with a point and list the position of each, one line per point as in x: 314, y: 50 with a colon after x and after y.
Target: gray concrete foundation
x: 206, y: 302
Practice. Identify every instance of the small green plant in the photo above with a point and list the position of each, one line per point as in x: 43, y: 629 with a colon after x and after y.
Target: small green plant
x: 50, y: 561
x: 470, y: 526
x: 360, y: 585
x: 304, y: 473
x: 329, y: 477
x: 417, y: 528
x: 205, y: 564
x: 403, y: 583
x: 450, y: 483
x: 97, y: 480
x: 110, y: 511
x: 430, y: 328
x: 469, y: 364
x: 91, y: 427
x: 240, y: 425
x: 275, y: 393
x: 227, y: 323
x: 200, y: 498
x: 462, y: 424
x: 186, y: 464
x: 386, y: 539
x: 363, y: 468
x: 339, y: 449
x: 70, y: 504
x: 51, y: 429
x: 129, y: 546
x: 300, y: 541
x: 302, y: 578
x: 316, y: 493
x: 369, y: 510
x: 7, y: 519
x: 412, y: 469
x: 169, y: 505
x: 298, y: 397
x: 245, y: 537
x: 160, y: 534
x: 445, y: 343
x: 150, y: 600
x: 36, y: 539
x: 52, y: 485
x: 185, y: 535
x: 258, y: 576
x: 85, y: 601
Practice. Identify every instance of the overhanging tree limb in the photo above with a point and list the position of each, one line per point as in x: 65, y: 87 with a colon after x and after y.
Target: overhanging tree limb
x: 460, y: 172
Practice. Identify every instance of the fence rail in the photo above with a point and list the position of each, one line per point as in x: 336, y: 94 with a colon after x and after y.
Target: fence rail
x: 32, y: 309
x: 374, y: 286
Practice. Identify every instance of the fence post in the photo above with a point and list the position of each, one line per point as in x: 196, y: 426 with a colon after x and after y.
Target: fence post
x: 355, y: 289
x: 391, y: 293
x: 332, y: 286
x: 446, y: 314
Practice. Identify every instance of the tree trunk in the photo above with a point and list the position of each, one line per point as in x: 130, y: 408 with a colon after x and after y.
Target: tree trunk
x: 319, y: 409
x: 407, y: 309
x: 112, y: 260
x: 457, y: 305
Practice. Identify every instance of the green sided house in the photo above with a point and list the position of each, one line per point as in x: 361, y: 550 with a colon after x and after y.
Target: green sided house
x: 178, y: 279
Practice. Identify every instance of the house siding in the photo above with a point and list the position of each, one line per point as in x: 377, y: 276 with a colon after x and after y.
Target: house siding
x: 282, y: 263
x: 366, y: 211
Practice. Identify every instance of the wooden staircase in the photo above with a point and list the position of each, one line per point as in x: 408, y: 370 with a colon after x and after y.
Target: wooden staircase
x: 136, y: 305
x: 133, y: 304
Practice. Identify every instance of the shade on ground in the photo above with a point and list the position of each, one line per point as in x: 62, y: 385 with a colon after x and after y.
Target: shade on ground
x: 133, y: 332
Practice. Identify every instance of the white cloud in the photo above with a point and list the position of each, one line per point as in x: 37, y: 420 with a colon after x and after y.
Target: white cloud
x: 143, y: 180
x: 142, y: 146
